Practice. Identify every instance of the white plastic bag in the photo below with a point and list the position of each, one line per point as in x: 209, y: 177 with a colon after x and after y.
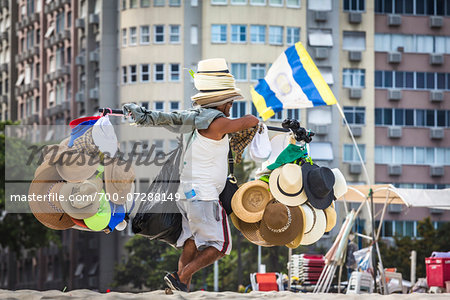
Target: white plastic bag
x: 260, y: 147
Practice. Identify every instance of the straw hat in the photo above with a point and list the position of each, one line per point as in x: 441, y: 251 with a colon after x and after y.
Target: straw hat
x: 296, y: 242
x: 286, y: 185
x: 316, y: 224
x: 81, y: 200
x: 318, y: 182
x: 330, y: 214
x: 104, y: 136
x: 340, y: 184
x: 101, y: 219
x: 281, y: 224
x: 251, y: 231
x: 250, y: 200
x: 213, y: 67
x: 48, y: 211
x: 118, y: 179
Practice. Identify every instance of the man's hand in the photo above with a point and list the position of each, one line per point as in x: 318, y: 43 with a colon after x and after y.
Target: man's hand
x: 135, y: 111
x: 221, y: 126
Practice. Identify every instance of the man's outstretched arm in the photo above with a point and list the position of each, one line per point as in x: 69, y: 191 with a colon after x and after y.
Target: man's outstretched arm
x: 221, y: 126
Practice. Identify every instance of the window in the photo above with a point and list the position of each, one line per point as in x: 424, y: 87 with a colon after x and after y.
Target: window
x: 145, y: 3
x: 412, y: 80
x: 320, y: 38
x: 412, y: 43
x: 132, y: 36
x: 275, y: 35
x: 258, y: 2
x: 219, y: 2
x: 293, y: 114
x: 159, y: 72
x: 218, y: 33
x: 354, y: 5
x: 174, y: 33
x: 238, y: 33
x: 174, y: 72
x: 174, y: 105
x: 145, y: 73
x: 258, y: 34
x: 159, y: 2
x: 355, y: 115
x: 238, y: 2
x: 418, y: 7
x: 239, y: 71
x: 276, y: 2
x: 239, y: 109
x: 293, y: 3
x: 194, y: 3
x: 292, y: 35
x: 258, y: 71
x: 412, y: 155
x: 351, y: 155
x: 145, y: 35
x: 354, y: 41
x: 159, y: 34
x: 277, y: 117
x: 124, y: 4
x: 133, y: 4
x: 159, y: 105
x: 320, y: 5
x: 353, y: 78
x: 174, y: 2
x: 133, y: 74
x: 124, y: 75
x: 194, y: 35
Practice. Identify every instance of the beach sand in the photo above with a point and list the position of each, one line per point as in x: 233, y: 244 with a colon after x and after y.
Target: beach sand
x: 87, y: 294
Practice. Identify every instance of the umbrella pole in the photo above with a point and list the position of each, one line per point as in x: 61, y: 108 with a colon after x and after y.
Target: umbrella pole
x: 289, y: 268
x: 339, y: 279
x: 374, y: 261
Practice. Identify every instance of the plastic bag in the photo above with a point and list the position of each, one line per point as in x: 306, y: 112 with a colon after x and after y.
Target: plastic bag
x: 161, y: 220
x: 363, y: 259
x: 260, y: 147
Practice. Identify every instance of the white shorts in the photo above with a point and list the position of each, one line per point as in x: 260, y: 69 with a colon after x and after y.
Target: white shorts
x: 206, y: 223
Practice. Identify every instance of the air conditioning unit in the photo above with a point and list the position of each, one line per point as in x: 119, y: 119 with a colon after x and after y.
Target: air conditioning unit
x: 321, y: 53
x: 436, y: 171
x: 4, y: 35
x: 354, y: 55
x: 436, y: 211
x: 93, y: 281
x: 356, y: 130
x: 355, y: 93
x: 394, y: 57
x: 66, y: 34
x: 94, y: 56
x: 437, y: 133
x: 395, y: 208
x: 436, y: 21
x: 436, y: 59
x: 79, y: 97
x: 3, y: 99
x: 94, y: 19
x: 79, y: 60
x: 395, y: 170
x: 321, y: 129
x: 47, y: 77
x: 394, y: 20
x: 320, y: 16
x: 79, y: 23
x: 355, y: 17
x: 93, y: 93
x: 35, y: 84
x: 395, y: 94
x: 394, y: 132
x: 355, y: 168
x: 436, y: 96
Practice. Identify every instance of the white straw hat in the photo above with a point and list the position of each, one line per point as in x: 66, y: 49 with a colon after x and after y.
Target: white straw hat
x: 286, y: 185
x: 316, y: 224
x: 340, y: 184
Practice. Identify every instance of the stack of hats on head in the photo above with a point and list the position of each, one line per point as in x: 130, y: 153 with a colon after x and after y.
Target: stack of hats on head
x: 81, y: 184
x: 215, y: 84
x: 307, y: 268
x: 294, y: 208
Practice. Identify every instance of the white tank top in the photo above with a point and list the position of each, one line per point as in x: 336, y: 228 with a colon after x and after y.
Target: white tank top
x: 205, y: 168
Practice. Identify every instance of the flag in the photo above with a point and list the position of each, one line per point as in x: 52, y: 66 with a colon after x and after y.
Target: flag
x: 293, y: 81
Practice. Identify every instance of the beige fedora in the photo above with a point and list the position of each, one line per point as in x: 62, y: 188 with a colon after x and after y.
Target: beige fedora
x: 330, y: 214
x: 286, y: 185
x: 340, y: 184
x: 48, y: 210
x: 281, y: 224
x: 81, y: 200
x: 118, y: 179
x: 250, y: 200
x: 316, y: 224
x: 296, y: 242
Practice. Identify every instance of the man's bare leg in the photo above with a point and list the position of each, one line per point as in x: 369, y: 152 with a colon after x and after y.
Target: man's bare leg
x: 203, y: 259
x: 188, y: 255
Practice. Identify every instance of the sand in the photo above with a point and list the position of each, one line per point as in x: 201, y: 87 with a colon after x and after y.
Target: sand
x: 87, y: 294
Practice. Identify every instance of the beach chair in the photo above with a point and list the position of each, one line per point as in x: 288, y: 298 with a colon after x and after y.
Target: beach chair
x: 394, y: 281
x: 360, y: 283
x: 267, y: 282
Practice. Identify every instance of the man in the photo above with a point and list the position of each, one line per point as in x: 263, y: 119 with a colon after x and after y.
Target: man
x: 205, y: 236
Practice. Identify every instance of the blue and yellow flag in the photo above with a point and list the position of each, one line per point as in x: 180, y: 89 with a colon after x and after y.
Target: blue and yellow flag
x: 293, y: 81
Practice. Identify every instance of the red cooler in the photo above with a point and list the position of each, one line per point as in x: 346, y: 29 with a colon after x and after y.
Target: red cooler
x: 438, y: 271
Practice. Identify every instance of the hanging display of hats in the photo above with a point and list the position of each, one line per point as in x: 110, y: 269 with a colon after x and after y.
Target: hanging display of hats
x: 250, y: 200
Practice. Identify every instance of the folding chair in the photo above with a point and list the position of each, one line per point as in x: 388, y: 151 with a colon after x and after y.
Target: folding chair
x: 267, y: 282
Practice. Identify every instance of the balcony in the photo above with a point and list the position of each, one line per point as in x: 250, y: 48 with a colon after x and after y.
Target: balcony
x: 33, y: 18
x: 5, y: 36
x: 4, y: 67
x: 65, y: 35
x: 5, y: 4
x: 4, y: 99
x: 35, y: 84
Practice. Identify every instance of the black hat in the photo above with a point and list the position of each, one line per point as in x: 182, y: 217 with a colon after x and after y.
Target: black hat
x: 318, y: 182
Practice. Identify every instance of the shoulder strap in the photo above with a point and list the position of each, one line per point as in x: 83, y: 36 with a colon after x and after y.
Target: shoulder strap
x: 230, y: 161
